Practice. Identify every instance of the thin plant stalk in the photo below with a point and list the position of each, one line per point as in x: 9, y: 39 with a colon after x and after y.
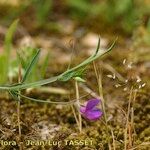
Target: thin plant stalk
x: 99, y: 80
x: 127, y: 120
x: 72, y: 106
x: 75, y: 116
x: 131, y: 125
x: 132, y: 115
x: 113, y: 137
x: 18, y: 106
x: 78, y: 103
x: 100, y: 88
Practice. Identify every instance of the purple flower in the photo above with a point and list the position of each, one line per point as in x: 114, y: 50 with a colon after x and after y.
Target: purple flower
x: 90, y: 111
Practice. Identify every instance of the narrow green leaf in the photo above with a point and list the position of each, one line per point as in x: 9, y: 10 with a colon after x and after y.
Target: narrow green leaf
x: 9, y: 36
x: 3, y: 69
x: 30, y: 66
x: 44, y: 65
x: 98, y: 47
x: 7, y: 50
x: 28, y: 85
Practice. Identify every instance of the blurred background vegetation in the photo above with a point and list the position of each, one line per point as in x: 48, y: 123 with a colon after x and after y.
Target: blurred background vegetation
x: 114, y: 15
x: 125, y: 18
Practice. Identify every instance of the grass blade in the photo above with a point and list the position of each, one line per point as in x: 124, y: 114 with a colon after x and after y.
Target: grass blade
x: 44, y: 65
x: 3, y: 69
x: 9, y: 36
x: 30, y: 67
x: 5, y: 57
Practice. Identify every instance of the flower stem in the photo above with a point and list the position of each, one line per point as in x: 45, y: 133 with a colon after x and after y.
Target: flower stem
x: 100, y: 88
x: 78, y: 103
x: 74, y: 113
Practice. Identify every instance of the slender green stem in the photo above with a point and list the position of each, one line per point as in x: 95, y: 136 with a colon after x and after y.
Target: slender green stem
x: 50, y: 102
x: 44, y: 101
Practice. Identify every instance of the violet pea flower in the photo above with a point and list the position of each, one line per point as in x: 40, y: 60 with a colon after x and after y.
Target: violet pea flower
x: 90, y: 111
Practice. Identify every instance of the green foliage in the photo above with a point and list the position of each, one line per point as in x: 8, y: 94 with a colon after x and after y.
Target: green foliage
x: 128, y: 10
x: 124, y: 14
x: 67, y: 75
x: 9, y: 67
x: 9, y: 36
x: 40, y: 9
x: 25, y: 56
x: 5, y: 57
x: 148, y: 26
x: 78, y: 71
x: 43, y: 9
x: 3, y: 69
x: 79, y: 8
x: 75, y: 72
x: 44, y: 65
x: 30, y: 67
x: 28, y: 57
x: 147, y: 36
x: 119, y: 14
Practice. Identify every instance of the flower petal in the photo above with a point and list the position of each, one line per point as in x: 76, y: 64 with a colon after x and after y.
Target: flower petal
x: 91, y: 104
x: 82, y: 109
x: 93, y: 115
